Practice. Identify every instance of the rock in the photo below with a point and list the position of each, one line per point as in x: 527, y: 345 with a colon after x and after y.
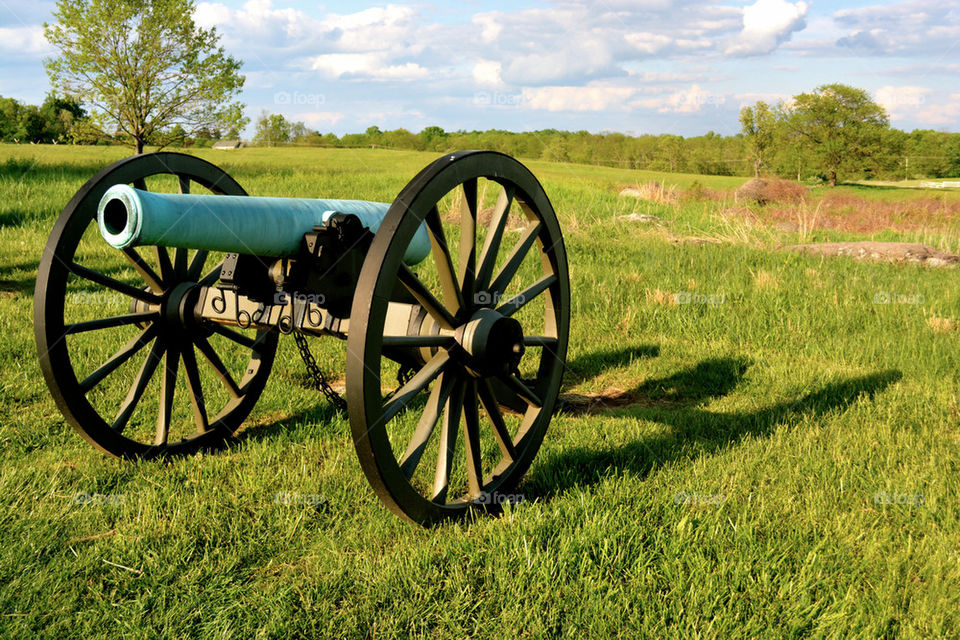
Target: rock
x: 788, y: 226
x: 645, y: 218
x: 632, y: 193
x: 891, y: 251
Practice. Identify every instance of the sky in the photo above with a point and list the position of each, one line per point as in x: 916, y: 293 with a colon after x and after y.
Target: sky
x: 684, y: 67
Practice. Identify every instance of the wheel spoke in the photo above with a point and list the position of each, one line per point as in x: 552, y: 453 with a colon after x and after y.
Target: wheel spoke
x: 126, y: 352
x: 180, y: 262
x: 491, y: 244
x: 415, y: 385
x: 500, y: 431
x: 167, y: 388
x: 146, y: 272
x: 468, y: 241
x: 426, y: 425
x: 452, y: 296
x: 539, y: 341
x: 139, y: 386
x: 426, y: 299
x: 141, y: 184
x: 163, y: 259
x: 471, y: 431
x: 106, y: 323
x: 183, y: 183
x: 212, y: 276
x: 448, y: 442
x: 194, y: 388
x: 515, y: 303
x: 514, y: 260
x: 521, y: 389
x: 111, y: 283
x: 208, y: 353
x: 442, y: 342
x: 235, y: 336
x: 196, y: 265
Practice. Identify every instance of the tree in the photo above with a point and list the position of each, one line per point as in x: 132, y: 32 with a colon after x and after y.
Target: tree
x: 144, y: 67
x: 759, y: 124
x: 842, y: 126
x: 272, y: 129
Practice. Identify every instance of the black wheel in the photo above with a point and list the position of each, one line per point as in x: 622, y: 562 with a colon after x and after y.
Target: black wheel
x: 111, y: 338
x: 494, y: 334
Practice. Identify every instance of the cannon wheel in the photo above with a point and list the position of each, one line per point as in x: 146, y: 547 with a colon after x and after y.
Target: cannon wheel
x: 150, y: 283
x: 429, y: 477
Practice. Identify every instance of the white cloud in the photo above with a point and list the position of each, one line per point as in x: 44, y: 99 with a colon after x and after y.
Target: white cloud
x: 370, y: 66
x: 490, y: 26
x: 691, y: 100
x: 921, y: 105
x: 648, y: 43
x: 488, y: 73
x: 914, y: 27
x: 766, y: 25
x: 318, y: 119
x: 577, y: 98
x: 27, y: 40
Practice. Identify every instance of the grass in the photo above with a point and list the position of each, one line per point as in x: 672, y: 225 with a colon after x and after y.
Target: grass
x: 784, y: 463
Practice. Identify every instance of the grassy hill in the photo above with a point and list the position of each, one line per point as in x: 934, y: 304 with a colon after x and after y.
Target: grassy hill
x: 767, y: 449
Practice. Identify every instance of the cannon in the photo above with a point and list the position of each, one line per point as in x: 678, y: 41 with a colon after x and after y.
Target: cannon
x: 453, y: 302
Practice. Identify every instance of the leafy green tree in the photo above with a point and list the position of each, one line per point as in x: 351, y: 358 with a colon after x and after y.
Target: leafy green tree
x: 841, y: 126
x: 60, y: 116
x: 144, y: 67
x: 759, y: 125
x: 272, y: 129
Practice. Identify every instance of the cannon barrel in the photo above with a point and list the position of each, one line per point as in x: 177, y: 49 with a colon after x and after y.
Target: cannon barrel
x: 130, y: 217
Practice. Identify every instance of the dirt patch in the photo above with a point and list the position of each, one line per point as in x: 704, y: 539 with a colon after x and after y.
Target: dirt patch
x: 579, y: 404
x: 889, y: 251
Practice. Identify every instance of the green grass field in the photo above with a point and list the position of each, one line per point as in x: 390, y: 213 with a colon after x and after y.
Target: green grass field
x: 777, y: 458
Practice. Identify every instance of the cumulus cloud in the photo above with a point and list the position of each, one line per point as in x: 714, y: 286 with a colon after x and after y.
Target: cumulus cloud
x: 918, y: 104
x: 766, y: 25
x: 915, y: 27
x: 690, y: 100
x: 25, y: 40
x: 487, y: 73
x: 368, y: 66
x: 594, y: 98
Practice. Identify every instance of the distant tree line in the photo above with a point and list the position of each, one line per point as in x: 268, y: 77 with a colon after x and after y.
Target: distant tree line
x: 56, y: 120
x: 832, y: 133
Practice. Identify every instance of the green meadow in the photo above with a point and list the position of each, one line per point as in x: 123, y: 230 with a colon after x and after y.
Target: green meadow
x: 758, y: 443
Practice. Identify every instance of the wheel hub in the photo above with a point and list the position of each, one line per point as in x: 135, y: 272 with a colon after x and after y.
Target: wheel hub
x: 492, y: 343
x: 179, y: 303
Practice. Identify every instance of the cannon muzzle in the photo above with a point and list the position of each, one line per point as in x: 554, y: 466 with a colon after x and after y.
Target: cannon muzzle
x: 130, y: 217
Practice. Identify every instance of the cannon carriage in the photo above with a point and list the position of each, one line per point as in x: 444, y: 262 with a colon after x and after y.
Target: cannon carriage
x: 162, y: 279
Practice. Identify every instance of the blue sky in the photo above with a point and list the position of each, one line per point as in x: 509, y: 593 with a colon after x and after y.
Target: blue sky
x: 635, y: 66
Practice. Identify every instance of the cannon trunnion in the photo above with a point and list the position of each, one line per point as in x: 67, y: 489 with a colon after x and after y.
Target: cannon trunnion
x: 164, y: 288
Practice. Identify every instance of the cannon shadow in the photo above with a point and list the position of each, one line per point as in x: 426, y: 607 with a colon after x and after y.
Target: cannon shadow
x: 694, y: 431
